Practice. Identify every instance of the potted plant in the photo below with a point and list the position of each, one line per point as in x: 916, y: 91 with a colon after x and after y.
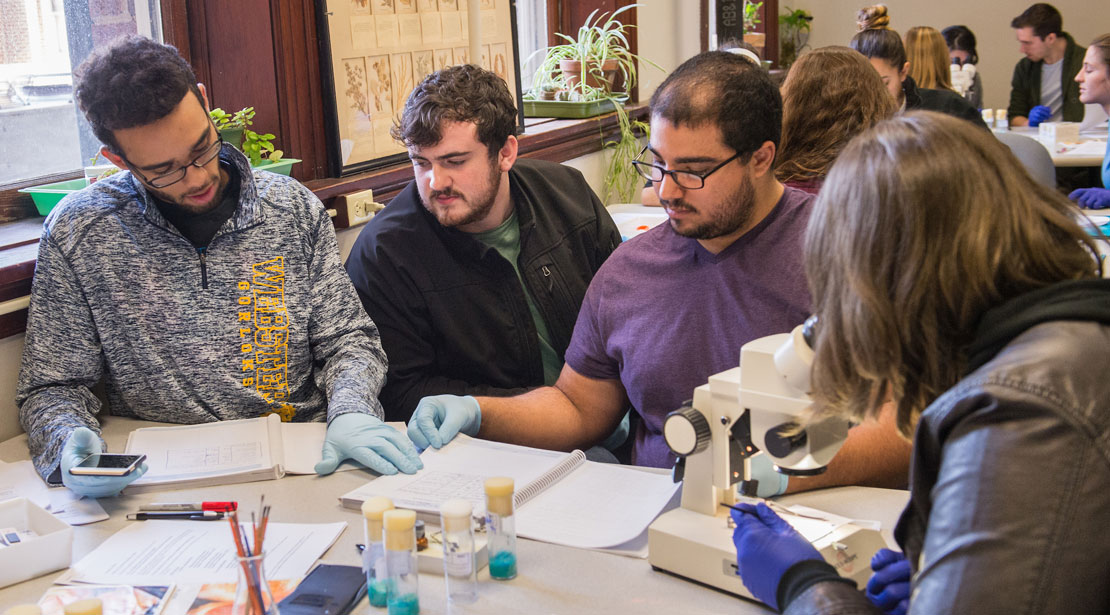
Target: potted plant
x: 259, y: 148
x: 794, y: 27
x: 751, y: 20
x: 595, y: 69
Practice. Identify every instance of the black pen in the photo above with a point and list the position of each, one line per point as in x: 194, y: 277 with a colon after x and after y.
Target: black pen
x: 207, y: 515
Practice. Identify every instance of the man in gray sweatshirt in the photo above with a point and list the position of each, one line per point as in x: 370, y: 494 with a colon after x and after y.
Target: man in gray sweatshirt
x: 196, y: 289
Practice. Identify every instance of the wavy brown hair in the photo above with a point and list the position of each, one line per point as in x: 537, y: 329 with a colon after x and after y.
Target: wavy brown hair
x: 928, y: 56
x: 921, y: 227
x: 830, y: 95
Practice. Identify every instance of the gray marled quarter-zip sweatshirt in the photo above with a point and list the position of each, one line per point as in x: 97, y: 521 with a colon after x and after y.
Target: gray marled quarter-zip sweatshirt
x: 265, y: 320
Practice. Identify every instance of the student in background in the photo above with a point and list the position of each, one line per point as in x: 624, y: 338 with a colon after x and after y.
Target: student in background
x: 830, y: 95
x: 1042, y: 88
x: 195, y: 288
x: 884, y: 48
x: 1094, y: 89
x: 961, y: 51
x: 957, y: 285
x: 928, y: 58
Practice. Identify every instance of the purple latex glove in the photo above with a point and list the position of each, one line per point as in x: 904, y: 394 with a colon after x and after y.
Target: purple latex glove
x: 766, y: 547
x: 889, y: 586
x: 1039, y: 114
x: 1091, y: 198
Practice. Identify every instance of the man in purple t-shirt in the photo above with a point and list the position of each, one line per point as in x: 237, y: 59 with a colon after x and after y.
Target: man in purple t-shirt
x: 673, y: 306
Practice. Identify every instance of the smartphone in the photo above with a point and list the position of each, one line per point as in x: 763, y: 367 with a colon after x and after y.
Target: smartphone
x: 107, y: 464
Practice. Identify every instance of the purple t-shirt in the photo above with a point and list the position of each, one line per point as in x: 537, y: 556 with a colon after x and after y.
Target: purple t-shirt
x: 663, y: 314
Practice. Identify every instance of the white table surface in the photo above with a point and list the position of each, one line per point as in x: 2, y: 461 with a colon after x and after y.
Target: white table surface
x: 1067, y: 158
x: 552, y: 579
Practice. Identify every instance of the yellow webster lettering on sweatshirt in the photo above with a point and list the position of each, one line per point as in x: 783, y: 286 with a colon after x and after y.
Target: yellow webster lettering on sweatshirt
x: 265, y: 350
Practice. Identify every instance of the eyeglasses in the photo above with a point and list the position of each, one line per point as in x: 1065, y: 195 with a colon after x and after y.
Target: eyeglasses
x: 688, y: 180
x: 168, y: 179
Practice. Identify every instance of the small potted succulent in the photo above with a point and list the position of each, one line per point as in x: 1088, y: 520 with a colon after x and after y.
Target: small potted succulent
x: 258, y: 147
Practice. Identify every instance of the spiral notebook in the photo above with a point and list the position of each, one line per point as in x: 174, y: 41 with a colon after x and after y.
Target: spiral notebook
x: 561, y: 498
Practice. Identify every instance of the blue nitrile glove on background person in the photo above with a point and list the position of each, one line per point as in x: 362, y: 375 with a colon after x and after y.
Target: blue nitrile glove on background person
x: 889, y: 586
x: 80, y: 444
x: 369, y: 441
x: 1091, y: 198
x: 771, y: 482
x: 766, y: 548
x: 439, y: 418
x: 1039, y: 114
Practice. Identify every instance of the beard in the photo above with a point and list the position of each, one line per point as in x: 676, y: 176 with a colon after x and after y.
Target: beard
x: 728, y: 216
x: 472, y: 208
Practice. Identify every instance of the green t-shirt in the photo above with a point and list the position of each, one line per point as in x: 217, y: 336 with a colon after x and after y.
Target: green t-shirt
x: 506, y: 240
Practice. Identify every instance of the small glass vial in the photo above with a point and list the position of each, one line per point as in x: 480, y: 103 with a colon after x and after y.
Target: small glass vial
x: 373, y: 556
x: 501, y: 528
x: 252, y: 592
x: 421, y: 535
x: 459, y: 570
x: 400, y: 562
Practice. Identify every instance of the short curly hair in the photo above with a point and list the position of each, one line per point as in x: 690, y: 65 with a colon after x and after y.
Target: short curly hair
x: 464, y: 93
x: 134, y: 81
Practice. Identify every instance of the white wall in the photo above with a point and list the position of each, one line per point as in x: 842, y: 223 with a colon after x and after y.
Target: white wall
x: 834, y: 23
x: 11, y: 348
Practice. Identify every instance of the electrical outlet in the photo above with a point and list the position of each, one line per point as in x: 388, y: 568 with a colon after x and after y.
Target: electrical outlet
x: 360, y: 207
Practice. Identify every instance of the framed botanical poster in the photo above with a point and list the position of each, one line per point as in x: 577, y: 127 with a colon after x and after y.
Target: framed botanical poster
x: 374, y: 52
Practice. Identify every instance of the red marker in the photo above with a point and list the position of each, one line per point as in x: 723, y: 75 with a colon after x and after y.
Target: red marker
x: 189, y: 506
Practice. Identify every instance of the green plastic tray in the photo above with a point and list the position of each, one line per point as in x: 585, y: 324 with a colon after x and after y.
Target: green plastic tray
x: 47, y: 196
x: 560, y: 108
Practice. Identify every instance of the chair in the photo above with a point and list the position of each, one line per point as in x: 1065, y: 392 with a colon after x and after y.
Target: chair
x: 1033, y: 155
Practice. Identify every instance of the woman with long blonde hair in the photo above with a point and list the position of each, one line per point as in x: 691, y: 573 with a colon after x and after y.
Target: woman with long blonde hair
x: 946, y: 279
x: 928, y: 57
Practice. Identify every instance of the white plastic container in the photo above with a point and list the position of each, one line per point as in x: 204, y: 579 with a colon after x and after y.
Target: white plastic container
x: 50, y: 550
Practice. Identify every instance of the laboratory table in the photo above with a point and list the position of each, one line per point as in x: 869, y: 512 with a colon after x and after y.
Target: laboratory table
x: 552, y: 578
x: 1068, y: 157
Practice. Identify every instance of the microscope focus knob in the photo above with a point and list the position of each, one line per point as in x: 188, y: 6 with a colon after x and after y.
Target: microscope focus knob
x: 686, y: 431
x: 780, y: 445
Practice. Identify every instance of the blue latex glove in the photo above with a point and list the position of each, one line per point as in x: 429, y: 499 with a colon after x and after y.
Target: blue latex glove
x: 439, y: 418
x: 1039, y: 114
x: 766, y: 547
x: 1091, y: 198
x: 82, y: 443
x: 889, y: 586
x: 771, y: 483
x: 369, y: 441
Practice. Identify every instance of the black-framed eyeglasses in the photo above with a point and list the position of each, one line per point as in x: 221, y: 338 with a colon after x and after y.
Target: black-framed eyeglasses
x: 688, y: 180
x: 166, y: 180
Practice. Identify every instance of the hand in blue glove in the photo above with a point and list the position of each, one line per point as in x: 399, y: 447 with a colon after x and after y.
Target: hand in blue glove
x: 766, y: 547
x: 82, y: 443
x: 771, y: 482
x: 369, y: 441
x: 1091, y: 198
x: 889, y: 586
x: 439, y: 418
x: 1039, y: 114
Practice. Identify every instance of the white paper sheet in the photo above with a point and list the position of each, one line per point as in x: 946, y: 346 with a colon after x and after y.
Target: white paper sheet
x: 162, y: 552
x: 19, y: 479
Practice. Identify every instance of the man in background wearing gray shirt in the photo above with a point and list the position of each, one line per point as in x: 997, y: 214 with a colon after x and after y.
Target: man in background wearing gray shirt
x: 196, y: 289
x: 1043, y: 87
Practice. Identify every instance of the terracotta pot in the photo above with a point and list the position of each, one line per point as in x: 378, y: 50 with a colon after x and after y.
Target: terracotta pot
x: 572, y: 72
x: 757, y: 40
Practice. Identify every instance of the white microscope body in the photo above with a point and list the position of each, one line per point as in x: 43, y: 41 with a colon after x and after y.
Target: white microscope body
x: 737, y: 414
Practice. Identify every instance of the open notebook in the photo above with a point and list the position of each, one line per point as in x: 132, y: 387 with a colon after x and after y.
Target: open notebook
x: 560, y: 498
x: 225, y: 452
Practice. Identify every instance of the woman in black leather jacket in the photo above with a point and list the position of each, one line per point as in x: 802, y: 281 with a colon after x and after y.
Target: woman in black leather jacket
x: 948, y: 280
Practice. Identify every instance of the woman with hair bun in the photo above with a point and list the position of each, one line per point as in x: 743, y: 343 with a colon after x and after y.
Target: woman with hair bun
x: 883, y: 47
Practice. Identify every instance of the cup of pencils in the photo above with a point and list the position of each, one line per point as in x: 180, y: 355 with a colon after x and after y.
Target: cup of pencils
x: 252, y: 592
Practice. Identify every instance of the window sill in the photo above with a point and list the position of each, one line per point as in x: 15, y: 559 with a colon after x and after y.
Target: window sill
x: 555, y: 140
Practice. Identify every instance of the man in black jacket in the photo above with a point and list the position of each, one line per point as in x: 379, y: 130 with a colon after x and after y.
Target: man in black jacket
x: 475, y: 272
x: 1043, y: 87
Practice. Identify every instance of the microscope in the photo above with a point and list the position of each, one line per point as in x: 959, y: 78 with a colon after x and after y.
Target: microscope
x: 746, y: 411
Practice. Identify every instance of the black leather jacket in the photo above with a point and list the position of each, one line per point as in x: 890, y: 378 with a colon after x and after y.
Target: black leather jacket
x: 1010, y: 483
x: 451, y: 311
